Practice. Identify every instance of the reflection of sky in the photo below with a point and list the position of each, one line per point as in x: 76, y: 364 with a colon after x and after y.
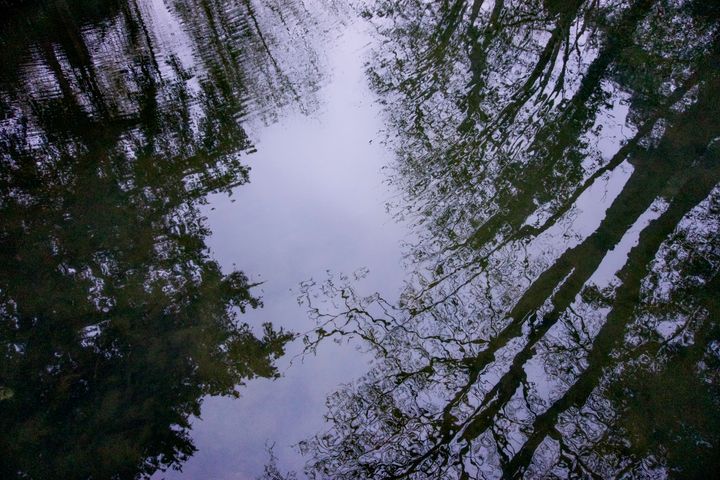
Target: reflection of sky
x: 315, y: 202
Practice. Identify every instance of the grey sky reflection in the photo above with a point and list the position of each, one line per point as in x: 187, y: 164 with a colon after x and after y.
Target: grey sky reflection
x: 315, y: 202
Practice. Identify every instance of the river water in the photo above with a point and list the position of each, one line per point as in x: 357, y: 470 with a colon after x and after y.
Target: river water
x: 338, y: 239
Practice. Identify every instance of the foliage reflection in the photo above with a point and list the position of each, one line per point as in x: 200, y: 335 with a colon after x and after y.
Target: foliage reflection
x: 560, y: 161
x: 118, y: 119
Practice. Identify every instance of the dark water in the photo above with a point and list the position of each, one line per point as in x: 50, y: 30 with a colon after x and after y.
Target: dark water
x: 505, y: 213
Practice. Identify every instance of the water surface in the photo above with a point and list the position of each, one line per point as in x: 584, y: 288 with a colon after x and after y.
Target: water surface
x: 349, y: 240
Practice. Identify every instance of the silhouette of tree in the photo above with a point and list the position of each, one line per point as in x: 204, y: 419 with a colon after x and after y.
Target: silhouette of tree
x: 510, y: 353
x: 115, y: 321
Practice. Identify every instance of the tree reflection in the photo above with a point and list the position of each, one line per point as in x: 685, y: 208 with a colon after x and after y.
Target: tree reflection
x: 117, y: 121
x: 522, y: 344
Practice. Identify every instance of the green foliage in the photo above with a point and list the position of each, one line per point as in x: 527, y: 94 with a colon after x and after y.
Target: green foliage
x: 114, y: 320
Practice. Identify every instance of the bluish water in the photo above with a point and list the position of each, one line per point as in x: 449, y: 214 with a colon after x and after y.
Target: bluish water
x: 350, y: 240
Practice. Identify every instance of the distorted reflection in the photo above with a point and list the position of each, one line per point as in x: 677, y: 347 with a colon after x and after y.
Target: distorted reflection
x: 118, y: 118
x: 560, y: 163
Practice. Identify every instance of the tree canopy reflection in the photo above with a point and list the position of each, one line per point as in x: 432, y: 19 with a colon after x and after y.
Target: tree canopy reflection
x: 118, y: 119
x: 535, y: 341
